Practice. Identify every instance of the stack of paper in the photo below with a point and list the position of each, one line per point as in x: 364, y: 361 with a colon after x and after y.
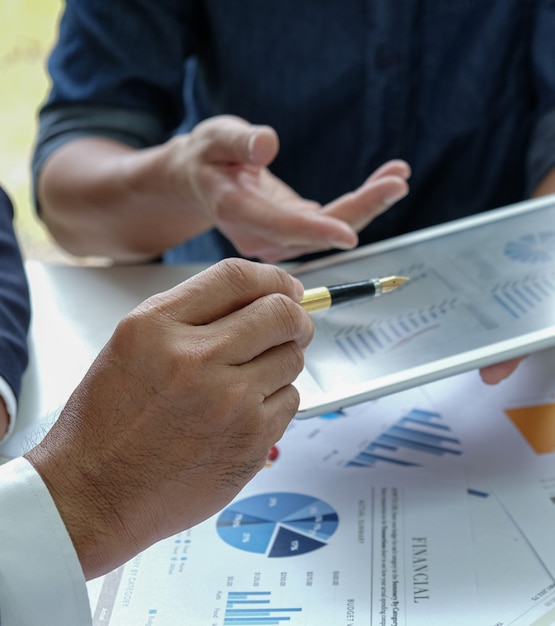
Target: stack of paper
x: 431, y: 507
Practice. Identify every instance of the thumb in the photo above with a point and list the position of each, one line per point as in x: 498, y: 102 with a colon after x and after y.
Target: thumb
x: 263, y: 145
x: 231, y: 139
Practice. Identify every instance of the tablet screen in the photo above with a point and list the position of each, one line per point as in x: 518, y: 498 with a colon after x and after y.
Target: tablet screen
x: 481, y: 289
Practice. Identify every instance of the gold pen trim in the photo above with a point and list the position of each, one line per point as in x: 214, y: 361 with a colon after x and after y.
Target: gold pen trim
x: 316, y: 299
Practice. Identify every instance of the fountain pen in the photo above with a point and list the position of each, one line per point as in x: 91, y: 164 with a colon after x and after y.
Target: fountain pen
x: 320, y: 298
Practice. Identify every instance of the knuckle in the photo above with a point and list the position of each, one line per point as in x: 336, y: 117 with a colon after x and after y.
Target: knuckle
x: 243, y: 276
x: 238, y: 274
x: 292, y: 322
x: 285, y: 313
x: 294, y: 361
x: 291, y: 401
x: 298, y: 359
x: 129, y: 329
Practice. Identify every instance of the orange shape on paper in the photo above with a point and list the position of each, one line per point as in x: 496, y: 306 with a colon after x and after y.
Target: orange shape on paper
x: 537, y: 425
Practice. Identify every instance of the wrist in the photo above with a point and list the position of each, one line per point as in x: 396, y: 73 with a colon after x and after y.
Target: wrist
x: 167, y: 176
x: 96, y: 531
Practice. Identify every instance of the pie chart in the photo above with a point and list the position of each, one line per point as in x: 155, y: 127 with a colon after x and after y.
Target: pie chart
x: 278, y: 524
x: 532, y: 248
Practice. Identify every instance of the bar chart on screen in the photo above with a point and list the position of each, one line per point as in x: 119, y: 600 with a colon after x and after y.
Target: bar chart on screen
x: 359, y: 343
x: 384, y: 331
x: 520, y: 297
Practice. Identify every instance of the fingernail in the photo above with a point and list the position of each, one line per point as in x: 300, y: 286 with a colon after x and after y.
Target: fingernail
x: 250, y: 146
x: 342, y: 245
x: 395, y: 197
x: 347, y: 242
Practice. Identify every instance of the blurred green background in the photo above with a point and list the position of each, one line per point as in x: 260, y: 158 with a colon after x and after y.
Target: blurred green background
x: 27, y: 32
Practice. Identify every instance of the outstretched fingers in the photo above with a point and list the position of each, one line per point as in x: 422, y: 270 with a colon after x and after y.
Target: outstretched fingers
x: 359, y: 207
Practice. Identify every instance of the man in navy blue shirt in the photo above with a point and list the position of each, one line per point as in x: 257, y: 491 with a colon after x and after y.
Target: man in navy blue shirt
x: 460, y: 96
x: 14, y: 317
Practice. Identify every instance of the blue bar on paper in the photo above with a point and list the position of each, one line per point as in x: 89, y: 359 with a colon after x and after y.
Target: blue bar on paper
x: 247, y: 615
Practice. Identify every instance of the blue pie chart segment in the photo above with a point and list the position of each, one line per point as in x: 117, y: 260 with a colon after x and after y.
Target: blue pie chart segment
x: 290, y: 543
x: 278, y: 524
x: 532, y: 248
x: 245, y: 531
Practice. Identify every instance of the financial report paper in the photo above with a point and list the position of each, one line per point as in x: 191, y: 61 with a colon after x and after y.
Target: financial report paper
x: 424, y: 507
x: 292, y: 550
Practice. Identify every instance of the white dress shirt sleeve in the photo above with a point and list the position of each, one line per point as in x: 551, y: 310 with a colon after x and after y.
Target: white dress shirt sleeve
x: 41, y: 580
x: 11, y: 405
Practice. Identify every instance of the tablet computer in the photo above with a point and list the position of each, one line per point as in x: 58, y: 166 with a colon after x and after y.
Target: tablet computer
x: 481, y: 291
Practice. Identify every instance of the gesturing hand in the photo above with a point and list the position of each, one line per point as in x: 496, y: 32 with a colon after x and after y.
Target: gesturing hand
x: 220, y: 169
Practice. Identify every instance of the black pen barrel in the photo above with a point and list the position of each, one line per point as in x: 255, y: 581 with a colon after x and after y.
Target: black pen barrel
x: 343, y: 293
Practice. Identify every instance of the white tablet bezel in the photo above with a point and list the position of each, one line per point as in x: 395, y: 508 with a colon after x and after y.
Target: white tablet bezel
x: 315, y: 400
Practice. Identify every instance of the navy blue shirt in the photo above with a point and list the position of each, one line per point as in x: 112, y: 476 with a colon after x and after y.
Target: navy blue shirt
x: 464, y: 90
x: 14, y: 302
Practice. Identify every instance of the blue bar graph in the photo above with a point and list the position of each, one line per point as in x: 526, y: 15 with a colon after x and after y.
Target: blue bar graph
x: 403, y: 444
x: 359, y: 343
x: 252, y: 608
x: 381, y: 334
x: 520, y: 297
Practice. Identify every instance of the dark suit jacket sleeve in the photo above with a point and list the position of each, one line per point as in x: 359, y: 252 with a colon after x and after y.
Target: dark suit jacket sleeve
x: 14, y: 301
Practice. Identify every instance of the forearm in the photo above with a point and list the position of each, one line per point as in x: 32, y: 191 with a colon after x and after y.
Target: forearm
x: 102, y: 198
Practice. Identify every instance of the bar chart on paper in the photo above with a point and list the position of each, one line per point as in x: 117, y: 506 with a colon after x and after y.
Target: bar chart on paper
x: 410, y: 441
x: 255, y: 608
x: 411, y: 435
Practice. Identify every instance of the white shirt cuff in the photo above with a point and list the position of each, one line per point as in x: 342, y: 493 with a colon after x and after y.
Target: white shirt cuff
x: 41, y: 580
x: 11, y: 404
